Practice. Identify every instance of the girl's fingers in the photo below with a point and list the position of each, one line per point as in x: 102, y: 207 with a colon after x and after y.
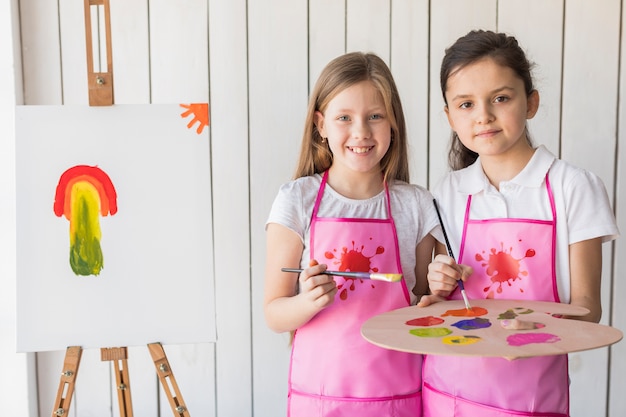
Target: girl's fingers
x: 318, y: 287
x: 322, y: 294
x: 445, y: 269
x: 444, y: 259
x: 429, y: 299
x: 466, y: 272
x: 314, y: 277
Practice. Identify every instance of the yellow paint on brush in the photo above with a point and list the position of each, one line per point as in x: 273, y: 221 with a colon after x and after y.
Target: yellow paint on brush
x: 386, y: 277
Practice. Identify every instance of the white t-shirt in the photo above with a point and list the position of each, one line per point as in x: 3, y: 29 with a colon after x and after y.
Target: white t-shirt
x: 583, y: 210
x: 411, y: 207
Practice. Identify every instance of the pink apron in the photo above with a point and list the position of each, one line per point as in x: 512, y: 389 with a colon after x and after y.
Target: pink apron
x: 512, y: 259
x: 334, y: 370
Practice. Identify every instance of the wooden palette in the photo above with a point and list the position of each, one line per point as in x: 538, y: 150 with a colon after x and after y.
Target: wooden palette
x: 431, y: 331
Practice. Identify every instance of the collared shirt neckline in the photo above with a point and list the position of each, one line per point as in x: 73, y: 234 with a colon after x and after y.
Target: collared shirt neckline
x: 474, y: 180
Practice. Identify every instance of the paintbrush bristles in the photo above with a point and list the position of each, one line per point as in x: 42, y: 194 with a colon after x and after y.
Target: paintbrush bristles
x: 465, y: 300
x: 386, y: 277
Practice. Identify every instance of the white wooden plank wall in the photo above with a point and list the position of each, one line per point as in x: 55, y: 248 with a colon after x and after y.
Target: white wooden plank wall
x: 255, y: 62
x: 17, y: 369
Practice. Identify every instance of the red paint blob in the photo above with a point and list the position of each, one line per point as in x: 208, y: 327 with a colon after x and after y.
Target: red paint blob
x: 425, y: 321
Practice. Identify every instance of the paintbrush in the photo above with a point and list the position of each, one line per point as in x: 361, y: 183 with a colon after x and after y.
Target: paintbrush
x: 361, y: 275
x: 451, y: 254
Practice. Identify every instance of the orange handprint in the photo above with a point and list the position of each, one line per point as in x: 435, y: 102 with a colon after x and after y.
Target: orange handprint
x: 200, y: 113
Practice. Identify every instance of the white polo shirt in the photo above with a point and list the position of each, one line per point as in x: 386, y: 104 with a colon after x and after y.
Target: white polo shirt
x: 583, y: 210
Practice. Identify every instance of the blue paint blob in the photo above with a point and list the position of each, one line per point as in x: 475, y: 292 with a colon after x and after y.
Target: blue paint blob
x: 473, y: 324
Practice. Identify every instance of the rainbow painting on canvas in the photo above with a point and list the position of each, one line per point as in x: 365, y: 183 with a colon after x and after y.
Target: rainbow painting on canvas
x: 82, y: 195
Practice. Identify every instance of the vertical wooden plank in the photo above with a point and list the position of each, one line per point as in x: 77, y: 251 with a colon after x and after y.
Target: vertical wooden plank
x: 409, y: 65
x: 11, y: 57
x: 95, y: 392
x: 368, y: 27
x: 73, y: 52
x: 327, y: 35
x: 179, y: 74
x: 40, y: 48
x: 617, y: 312
x: 589, y: 141
x: 228, y: 37
x: 591, y: 38
x: 538, y: 26
x: 41, y: 52
x: 278, y: 82
x: 18, y: 369
x: 449, y: 20
x: 179, y: 51
x: 131, y: 52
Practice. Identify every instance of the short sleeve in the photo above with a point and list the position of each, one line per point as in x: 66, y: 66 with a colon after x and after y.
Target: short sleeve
x: 287, y: 209
x: 589, y: 213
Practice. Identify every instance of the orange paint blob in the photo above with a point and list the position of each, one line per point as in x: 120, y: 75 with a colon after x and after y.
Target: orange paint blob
x: 464, y: 312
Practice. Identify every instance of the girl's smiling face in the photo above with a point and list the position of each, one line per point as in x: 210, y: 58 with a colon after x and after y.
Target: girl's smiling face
x: 488, y: 108
x: 357, y: 128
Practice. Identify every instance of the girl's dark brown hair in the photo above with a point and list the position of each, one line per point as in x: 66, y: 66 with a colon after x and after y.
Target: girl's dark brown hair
x: 339, y: 74
x: 468, y: 49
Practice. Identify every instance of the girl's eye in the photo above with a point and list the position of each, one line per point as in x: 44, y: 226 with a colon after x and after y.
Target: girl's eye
x: 376, y: 116
x: 343, y: 118
x: 465, y: 105
x: 501, y: 99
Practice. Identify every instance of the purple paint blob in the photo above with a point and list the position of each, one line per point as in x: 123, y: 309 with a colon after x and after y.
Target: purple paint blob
x: 521, y: 339
x: 473, y: 324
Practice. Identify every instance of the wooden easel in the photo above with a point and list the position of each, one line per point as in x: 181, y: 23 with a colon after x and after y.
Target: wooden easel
x: 120, y: 356
x: 99, y: 82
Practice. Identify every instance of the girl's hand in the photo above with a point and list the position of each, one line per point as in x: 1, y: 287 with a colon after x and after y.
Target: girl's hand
x: 443, y: 274
x: 317, y: 288
x: 290, y: 300
x: 429, y: 299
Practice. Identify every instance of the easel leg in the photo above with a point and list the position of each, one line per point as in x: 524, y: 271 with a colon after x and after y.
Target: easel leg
x: 68, y: 380
x: 166, y: 377
x: 119, y: 356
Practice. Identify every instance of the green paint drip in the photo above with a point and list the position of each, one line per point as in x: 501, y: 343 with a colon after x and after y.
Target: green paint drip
x: 85, y: 252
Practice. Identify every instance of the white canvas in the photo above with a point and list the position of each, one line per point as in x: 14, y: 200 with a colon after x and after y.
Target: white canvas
x: 157, y: 283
